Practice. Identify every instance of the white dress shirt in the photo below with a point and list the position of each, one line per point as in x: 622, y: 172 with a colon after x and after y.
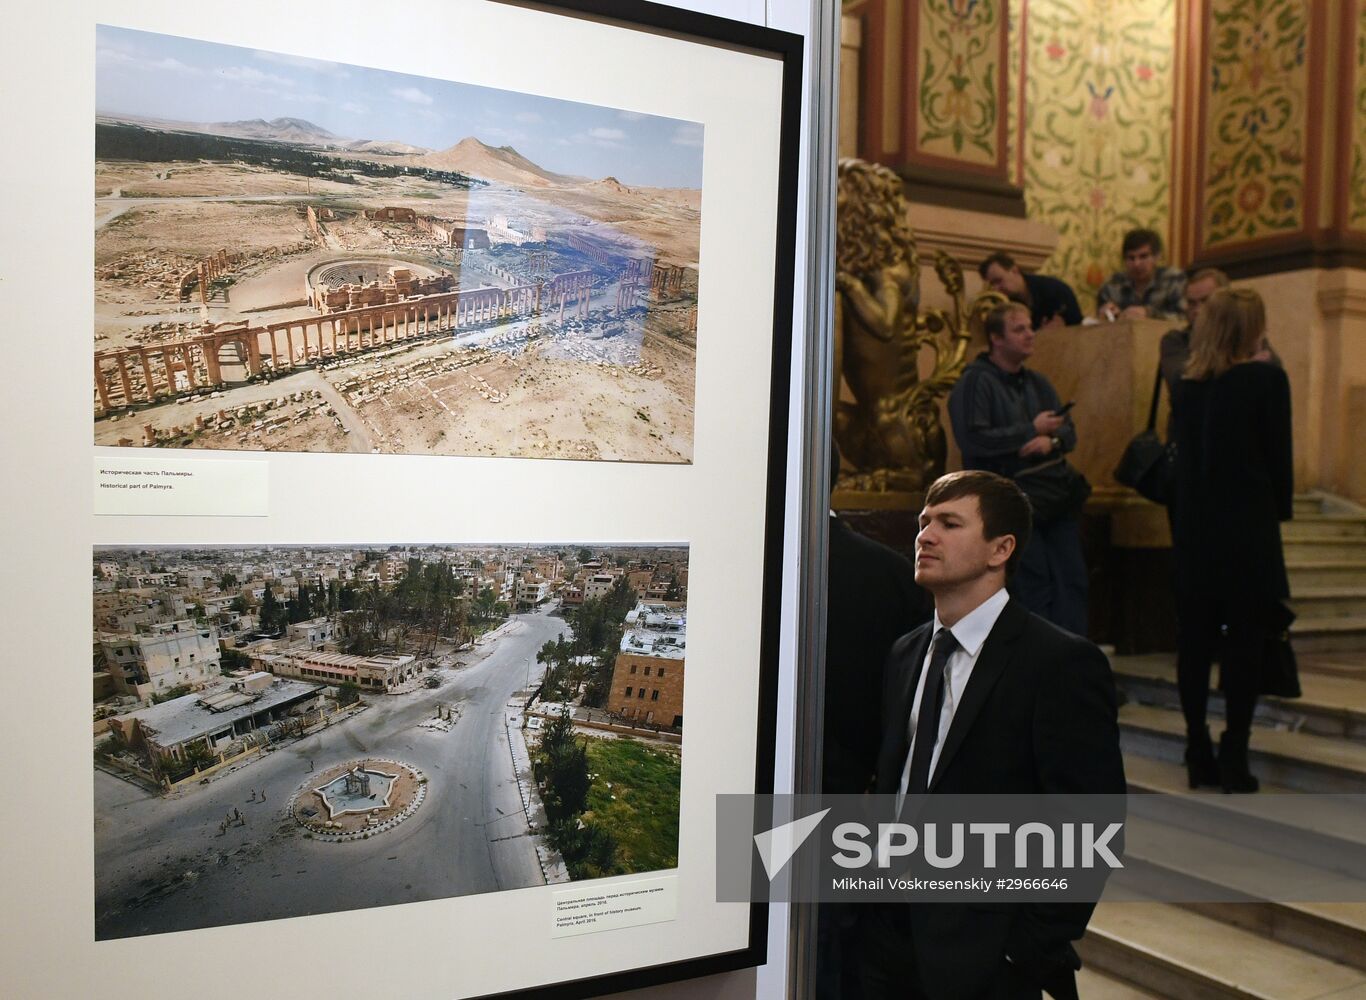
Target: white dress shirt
x: 971, y: 632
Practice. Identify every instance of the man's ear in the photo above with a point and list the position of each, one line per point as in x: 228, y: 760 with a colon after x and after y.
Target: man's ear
x: 1002, y: 548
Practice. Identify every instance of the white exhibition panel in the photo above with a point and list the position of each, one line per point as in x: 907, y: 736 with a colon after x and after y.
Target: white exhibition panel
x: 441, y: 948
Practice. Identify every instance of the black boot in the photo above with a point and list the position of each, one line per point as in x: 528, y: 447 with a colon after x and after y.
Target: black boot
x: 1202, y: 770
x: 1234, y: 775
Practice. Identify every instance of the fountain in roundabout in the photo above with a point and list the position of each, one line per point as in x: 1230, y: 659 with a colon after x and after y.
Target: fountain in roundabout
x: 358, y: 799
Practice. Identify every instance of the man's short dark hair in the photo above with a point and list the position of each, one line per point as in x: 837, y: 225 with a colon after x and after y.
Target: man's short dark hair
x: 1213, y: 274
x: 999, y: 257
x: 1137, y: 239
x: 995, y: 324
x: 1003, y: 505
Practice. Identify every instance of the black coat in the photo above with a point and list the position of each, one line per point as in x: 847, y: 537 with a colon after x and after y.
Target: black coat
x: 1038, y: 716
x: 872, y: 599
x: 1234, y: 484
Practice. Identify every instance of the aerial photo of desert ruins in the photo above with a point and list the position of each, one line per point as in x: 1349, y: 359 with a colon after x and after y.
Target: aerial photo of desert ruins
x: 283, y: 731
x: 296, y: 255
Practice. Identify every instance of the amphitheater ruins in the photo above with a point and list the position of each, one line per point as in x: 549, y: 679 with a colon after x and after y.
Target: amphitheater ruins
x: 394, y: 328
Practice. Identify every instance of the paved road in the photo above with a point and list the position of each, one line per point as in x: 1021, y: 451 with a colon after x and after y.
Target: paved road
x: 161, y: 866
x: 359, y: 437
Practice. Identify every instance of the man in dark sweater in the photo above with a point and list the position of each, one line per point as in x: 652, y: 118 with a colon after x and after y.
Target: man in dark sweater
x: 1051, y: 301
x: 1007, y: 419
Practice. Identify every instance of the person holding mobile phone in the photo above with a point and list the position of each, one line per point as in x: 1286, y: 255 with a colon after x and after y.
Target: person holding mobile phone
x: 1009, y: 420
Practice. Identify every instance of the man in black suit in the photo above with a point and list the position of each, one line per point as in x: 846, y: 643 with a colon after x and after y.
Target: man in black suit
x: 1023, y: 707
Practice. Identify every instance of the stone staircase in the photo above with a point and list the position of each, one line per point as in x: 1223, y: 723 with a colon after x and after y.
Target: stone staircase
x: 1325, y: 557
x: 1253, y: 947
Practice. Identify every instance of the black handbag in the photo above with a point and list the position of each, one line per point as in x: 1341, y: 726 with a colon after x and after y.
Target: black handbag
x: 1148, y: 465
x: 1056, y: 489
x: 1280, y: 673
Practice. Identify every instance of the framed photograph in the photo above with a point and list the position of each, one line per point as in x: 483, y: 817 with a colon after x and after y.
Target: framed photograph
x: 432, y: 402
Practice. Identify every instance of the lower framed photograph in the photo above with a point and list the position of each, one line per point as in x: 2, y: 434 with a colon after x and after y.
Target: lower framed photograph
x: 295, y: 731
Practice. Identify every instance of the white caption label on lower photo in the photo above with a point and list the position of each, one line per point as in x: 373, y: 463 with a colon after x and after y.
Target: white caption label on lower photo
x: 608, y: 908
x: 214, y: 487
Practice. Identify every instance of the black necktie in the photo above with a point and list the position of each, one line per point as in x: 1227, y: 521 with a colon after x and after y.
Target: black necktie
x: 927, y: 722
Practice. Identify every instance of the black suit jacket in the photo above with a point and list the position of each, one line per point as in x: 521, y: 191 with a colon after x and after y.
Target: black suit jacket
x: 1038, y: 716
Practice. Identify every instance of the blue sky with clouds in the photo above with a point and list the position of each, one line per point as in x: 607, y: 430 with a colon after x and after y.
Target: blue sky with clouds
x: 165, y: 76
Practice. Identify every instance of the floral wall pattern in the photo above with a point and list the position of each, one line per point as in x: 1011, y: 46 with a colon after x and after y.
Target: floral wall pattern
x: 1098, y: 128
x: 1014, y: 35
x: 1257, y: 92
x: 1356, y: 208
x: 958, y: 46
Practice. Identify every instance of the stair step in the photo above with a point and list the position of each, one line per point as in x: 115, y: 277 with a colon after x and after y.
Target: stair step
x: 1314, y: 527
x: 1329, y: 632
x: 1335, y: 818
x: 1350, y: 664
x: 1209, y: 876
x: 1183, y: 955
x: 1300, y: 761
x: 1325, y: 602
x: 1097, y: 986
x: 1334, y: 549
x: 1330, y: 706
x: 1324, y: 573
x: 1308, y: 503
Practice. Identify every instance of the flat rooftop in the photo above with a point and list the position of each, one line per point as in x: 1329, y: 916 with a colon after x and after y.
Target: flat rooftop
x: 191, y: 715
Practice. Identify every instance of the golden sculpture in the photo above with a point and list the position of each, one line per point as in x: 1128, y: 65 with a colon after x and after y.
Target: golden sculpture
x: 890, y: 433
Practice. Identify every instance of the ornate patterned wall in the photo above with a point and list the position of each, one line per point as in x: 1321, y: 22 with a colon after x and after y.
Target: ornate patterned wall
x: 932, y: 87
x: 957, y: 49
x: 1256, y: 120
x: 1357, y: 189
x: 1098, y: 128
x: 1015, y: 27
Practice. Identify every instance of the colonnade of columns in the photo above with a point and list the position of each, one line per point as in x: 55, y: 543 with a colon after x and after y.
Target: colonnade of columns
x: 292, y: 343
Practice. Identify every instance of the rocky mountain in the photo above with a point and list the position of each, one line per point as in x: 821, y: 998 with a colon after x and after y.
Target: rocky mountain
x: 493, y: 163
x: 383, y: 147
x: 293, y: 130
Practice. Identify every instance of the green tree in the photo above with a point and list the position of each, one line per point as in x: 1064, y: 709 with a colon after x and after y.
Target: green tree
x: 589, y: 851
x: 585, y: 555
x: 559, y: 682
x: 562, y: 764
x: 348, y: 692
x: 227, y: 581
x: 272, y: 614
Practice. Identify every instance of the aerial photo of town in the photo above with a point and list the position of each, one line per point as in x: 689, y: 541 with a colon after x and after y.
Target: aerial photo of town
x: 298, y: 255
x: 282, y: 731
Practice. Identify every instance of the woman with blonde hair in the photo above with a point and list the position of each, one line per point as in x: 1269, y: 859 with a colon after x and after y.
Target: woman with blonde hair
x: 1234, y: 483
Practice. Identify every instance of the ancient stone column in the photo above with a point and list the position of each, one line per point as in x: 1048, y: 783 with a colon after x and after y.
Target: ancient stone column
x: 127, y: 383
x: 147, y: 374
x: 101, y: 387
x: 188, y: 355
x: 209, y: 348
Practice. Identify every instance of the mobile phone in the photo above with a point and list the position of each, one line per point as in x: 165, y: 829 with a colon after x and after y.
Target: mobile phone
x: 1062, y: 410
